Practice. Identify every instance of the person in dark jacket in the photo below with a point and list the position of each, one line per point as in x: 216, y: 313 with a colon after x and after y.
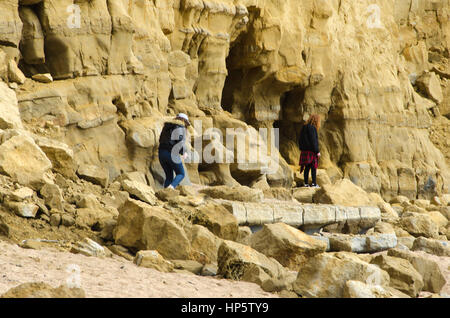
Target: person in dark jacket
x: 309, y: 146
x: 172, y: 148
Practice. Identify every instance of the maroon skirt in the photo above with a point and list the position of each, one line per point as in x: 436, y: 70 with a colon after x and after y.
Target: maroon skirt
x: 308, y: 158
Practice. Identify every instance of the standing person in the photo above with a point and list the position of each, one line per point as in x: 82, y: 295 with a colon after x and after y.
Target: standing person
x: 309, y: 146
x: 171, y: 148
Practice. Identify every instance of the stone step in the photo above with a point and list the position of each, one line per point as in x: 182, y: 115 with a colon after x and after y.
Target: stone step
x: 308, y: 217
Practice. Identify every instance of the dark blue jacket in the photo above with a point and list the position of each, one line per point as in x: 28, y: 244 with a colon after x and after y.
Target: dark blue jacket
x: 309, y: 140
x: 173, y: 133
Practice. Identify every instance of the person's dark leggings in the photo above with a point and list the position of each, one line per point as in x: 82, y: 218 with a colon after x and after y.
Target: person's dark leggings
x: 169, y: 166
x: 313, y: 174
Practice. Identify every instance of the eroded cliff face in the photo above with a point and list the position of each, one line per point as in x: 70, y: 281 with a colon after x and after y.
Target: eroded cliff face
x: 376, y: 71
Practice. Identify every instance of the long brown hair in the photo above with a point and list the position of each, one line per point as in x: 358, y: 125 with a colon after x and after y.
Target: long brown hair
x: 314, y: 120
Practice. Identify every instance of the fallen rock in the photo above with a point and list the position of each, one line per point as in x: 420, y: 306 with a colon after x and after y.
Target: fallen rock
x: 152, y: 259
x: 430, y: 84
x: 325, y: 275
x: 288, y: 245
x: 140, y: 190
x: 88, y: 247
x: 143, y: 227
x: 43, y: 78
x: 167, y: 194
x: 22, y: 194
x: 418, y: 224
x: 59, y: 154
x: 407, y: 242
x: 438, y: 219
x: 23, y: 209
x: 281, y: 194
x: 357, y: 289
x: 237, y: 261
x: 53, y: 196
x: 362, y: 243
x: 43, y: 290
x: 24, y: 161
x: 9, y: 111
x: 15, y: 74
x: 305, y: 195
x: 204, y: 244
x: 343, y: 192
x: 236, y: 193
x: 431, y: 246
x: 400, y: 199
x: 121, y: 251
x: 67, y: 220
x: 209, y: 270
x: 88, y: 201
x: 188, y: 265
x: 218, y: 220
x: 403, y: 275
x: 94, y: 174
x: 429, y: 269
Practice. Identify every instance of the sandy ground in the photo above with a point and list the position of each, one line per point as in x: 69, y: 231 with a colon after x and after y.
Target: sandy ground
x: 111, y: 277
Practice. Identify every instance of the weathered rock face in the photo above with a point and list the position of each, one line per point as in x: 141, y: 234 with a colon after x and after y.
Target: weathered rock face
x: 118, y: 69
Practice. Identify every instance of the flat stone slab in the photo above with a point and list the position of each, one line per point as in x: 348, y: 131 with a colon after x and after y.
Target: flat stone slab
x: 361, y: 243
x: 310, y: 217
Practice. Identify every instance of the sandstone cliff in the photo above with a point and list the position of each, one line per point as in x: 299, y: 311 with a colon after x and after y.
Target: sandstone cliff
x: 377, y: 72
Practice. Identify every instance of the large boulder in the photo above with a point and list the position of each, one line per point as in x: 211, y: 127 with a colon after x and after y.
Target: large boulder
x: 237, y: 193
x: 218, y: 220
x: 240, y: 262
x: 343, y: 192
x: 403, y: 275
x: 429, y: 269
x: 325, y: 275
x: 143, y: 227
x: 289, y: 246
x: 24, y: 161
x: 418, y: 224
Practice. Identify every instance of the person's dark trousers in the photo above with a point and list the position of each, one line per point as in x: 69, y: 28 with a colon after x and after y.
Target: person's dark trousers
x: 169, y: 166
x: 313, y: 174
